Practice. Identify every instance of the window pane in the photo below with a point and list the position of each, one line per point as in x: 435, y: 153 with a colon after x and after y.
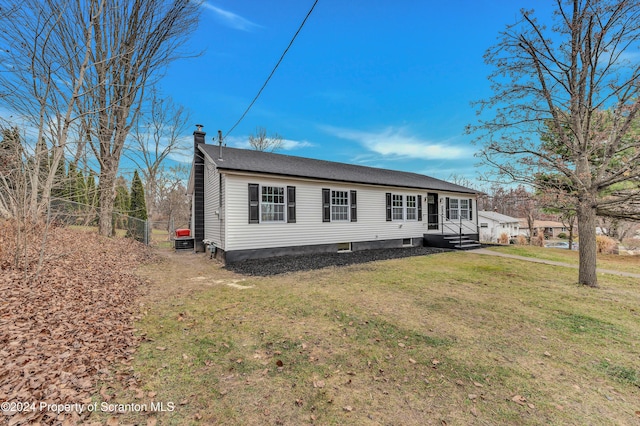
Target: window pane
x: 464, y: 209
x: 339, y: 213
x: 272, y: 206
x: 339, y: 206
x: 397, y: 210
x: 412, y: 209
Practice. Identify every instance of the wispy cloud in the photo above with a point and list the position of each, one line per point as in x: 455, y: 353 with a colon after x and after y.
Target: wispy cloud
x: 290, y: 145
x: 287, y: 144
x: 230, y: 19
x: 397, y: 144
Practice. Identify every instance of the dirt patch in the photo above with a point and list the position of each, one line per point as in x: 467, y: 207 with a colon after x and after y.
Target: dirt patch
x: 176, y: 274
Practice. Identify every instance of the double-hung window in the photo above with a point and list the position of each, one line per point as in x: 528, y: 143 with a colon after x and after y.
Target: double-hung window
x: 403, y: 207
x: 339, y: 206
x: 272, y: 204
x: 464, y: 209
x: 459, y: 208
x: 412, y: 208
x: 454, y: 213
x: 397, y: 207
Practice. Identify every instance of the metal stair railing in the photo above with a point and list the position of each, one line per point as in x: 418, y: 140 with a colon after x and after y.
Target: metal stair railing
x: 457, y: 227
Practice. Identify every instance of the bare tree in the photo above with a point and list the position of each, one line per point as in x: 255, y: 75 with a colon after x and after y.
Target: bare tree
x: 76, y: 72
x: 174, y: 205
x: 261, y: 142
x: 156, y: 135
x: 571, y: 78
x: 46, y: 56
x: 616, y: 228
x: 133, y: 42
x: 463, y: 181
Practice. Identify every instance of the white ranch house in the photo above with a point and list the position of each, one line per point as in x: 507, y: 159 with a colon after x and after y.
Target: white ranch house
x: 253, y: 204
x: 493, y: 224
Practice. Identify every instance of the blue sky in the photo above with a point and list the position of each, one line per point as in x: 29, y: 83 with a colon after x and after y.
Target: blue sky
x: 378, y: 83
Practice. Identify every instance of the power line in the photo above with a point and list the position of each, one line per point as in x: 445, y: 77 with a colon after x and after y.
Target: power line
x: 273, y: 71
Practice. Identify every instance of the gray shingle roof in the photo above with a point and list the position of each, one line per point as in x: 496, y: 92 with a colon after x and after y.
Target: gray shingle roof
x: 246, y: 160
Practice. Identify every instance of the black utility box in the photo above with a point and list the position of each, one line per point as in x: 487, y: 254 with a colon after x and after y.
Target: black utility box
x: 183, y: 243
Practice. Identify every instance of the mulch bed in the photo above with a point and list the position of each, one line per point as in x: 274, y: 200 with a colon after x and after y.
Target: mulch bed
x: 66, y: 324
x: 284, y: 264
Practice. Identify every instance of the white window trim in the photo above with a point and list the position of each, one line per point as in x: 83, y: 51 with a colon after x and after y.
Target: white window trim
x: 346, y: 206
x: 454, y: 212
x: 395, y: 209
x: 464, y: 210
x: 404, y: 207
x: 414, y: 208
x: 458, y: 209
x: 283, y: 204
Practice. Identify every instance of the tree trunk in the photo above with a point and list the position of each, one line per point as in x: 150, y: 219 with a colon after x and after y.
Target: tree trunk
x: 107, y: 191
x: 587, y: 244
x: 571, y: 235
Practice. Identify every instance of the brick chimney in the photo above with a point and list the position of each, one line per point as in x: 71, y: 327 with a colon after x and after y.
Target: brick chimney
x: 198, y: 189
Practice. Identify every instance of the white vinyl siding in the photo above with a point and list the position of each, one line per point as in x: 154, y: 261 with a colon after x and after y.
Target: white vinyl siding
x: 213, y: 204
x: 309, y: 228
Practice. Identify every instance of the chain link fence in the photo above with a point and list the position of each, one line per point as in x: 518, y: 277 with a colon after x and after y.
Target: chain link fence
x: 71, y: 213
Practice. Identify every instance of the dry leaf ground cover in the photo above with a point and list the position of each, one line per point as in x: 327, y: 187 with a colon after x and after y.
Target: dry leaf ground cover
x: 66, y: 326
x: 450, y: 338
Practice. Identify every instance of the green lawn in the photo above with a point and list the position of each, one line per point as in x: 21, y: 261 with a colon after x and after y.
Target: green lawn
x: 611, y: 261
x: 453, y: 338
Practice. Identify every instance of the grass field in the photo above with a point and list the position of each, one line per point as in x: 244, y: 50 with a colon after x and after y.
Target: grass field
x: 609, y: 261
x: 453, y: 338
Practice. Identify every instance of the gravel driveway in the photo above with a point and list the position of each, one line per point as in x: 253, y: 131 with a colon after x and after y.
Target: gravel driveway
x: 283, y: 264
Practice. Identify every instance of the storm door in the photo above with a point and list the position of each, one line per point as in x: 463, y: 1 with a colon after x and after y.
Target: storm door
x: 432, y: 211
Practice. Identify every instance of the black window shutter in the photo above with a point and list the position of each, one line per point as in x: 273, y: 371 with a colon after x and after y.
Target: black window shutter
x: 326, y: 205
x: 447, y: 207
x: 354, y: 207
x: 291, y: 204
x: 388, y: 207
x: 254, y: 206
x: 419, y: 197
x: 470, y: 208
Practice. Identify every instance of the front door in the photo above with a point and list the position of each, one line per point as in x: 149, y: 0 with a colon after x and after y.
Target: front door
x: 432, y: 211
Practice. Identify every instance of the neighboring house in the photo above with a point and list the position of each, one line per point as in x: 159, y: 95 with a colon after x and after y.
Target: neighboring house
x: 252, y: 204
x: 492, y: 225
x: 550, y: 228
